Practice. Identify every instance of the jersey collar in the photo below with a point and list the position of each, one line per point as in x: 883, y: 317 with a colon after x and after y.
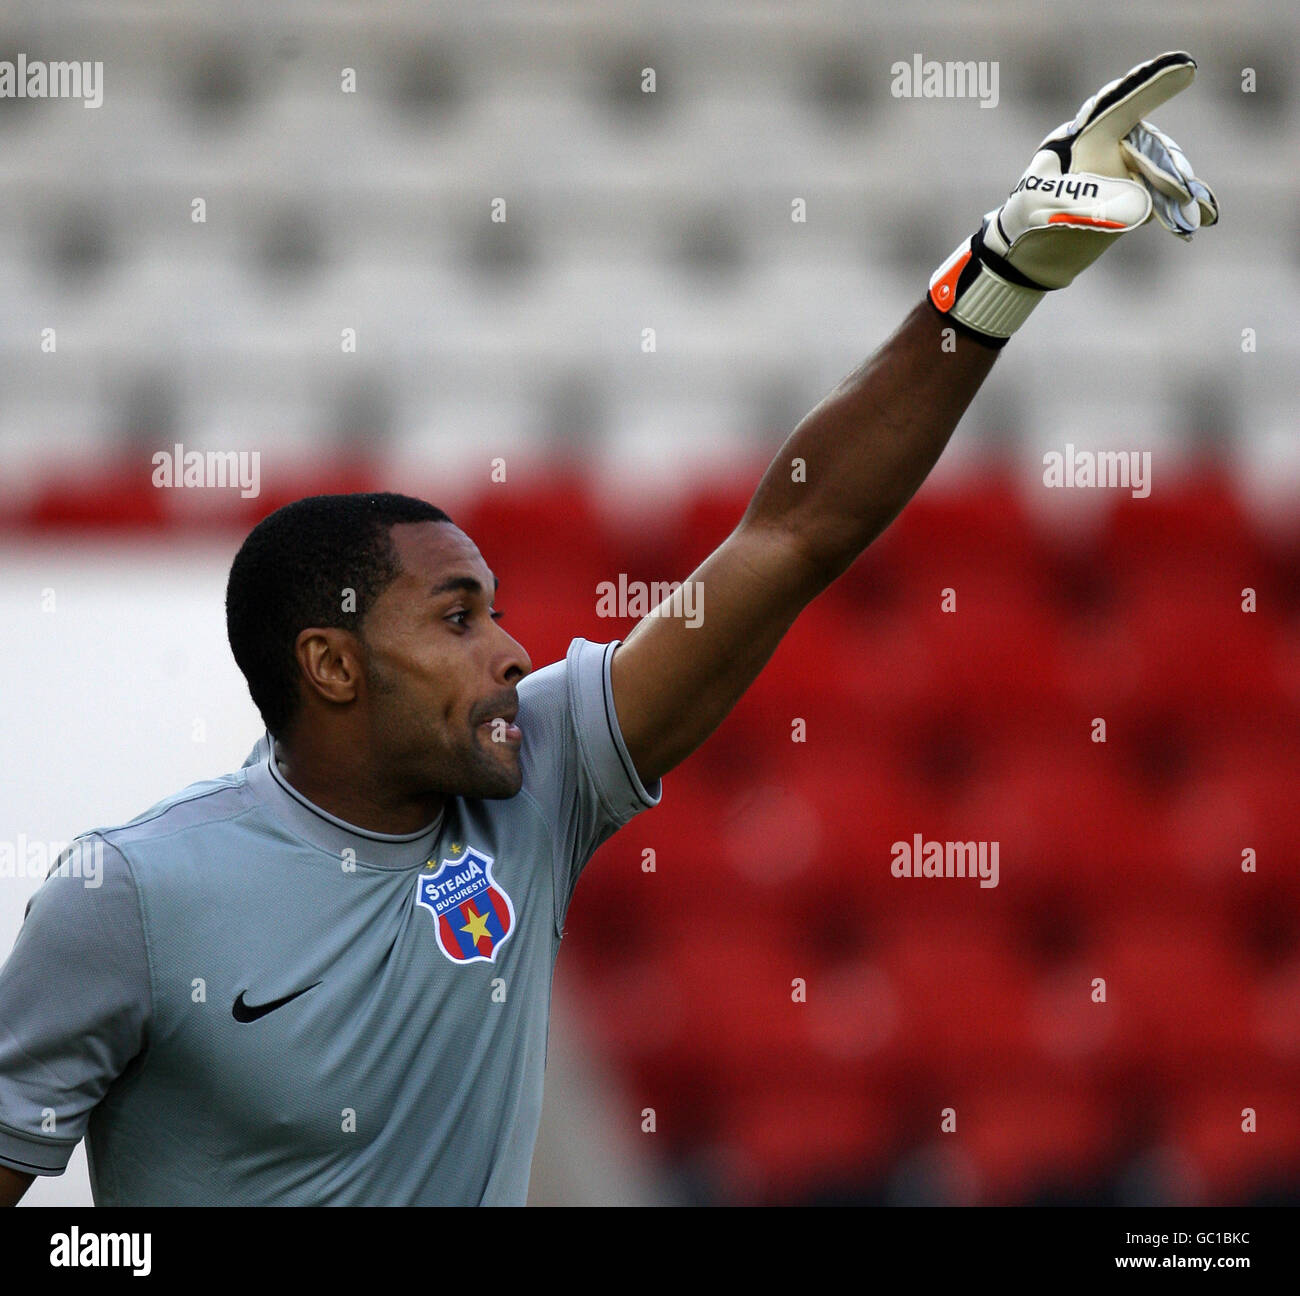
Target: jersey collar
x: 332, y: 834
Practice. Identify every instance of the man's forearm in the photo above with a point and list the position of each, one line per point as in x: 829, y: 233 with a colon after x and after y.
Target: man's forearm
x: 852, y: 463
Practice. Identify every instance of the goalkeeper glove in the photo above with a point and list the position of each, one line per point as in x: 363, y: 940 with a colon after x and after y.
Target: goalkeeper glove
x: 1094, y: 178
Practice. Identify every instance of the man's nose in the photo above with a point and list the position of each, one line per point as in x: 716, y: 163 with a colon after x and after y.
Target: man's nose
x: 514, y: 662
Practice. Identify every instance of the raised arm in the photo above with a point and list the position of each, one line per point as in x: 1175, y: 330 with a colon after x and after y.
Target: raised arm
x: 856, y: 459
x: 840, y: 478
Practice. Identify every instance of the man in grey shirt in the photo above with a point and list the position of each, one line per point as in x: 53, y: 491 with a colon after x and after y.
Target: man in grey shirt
x: 257, y: 999
x: 326, y: 978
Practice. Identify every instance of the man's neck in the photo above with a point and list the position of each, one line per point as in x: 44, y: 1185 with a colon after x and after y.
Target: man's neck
x: 355, y: 796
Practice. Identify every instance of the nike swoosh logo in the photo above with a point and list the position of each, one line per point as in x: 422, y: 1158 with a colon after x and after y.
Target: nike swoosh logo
x: 246, y: 1012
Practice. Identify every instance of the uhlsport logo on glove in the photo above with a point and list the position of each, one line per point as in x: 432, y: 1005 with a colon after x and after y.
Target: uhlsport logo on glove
x: 1065, y: 187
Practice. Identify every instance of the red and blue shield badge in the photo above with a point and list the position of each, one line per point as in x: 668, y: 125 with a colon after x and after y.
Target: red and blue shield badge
x: 472, y: 914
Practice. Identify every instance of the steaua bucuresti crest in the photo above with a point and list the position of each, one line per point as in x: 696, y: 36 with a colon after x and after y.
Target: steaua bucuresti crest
x: 472, y: 914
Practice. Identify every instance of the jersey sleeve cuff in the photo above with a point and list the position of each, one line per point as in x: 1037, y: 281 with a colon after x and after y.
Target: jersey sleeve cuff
x: 592, y: 698
x: 33, y: 1153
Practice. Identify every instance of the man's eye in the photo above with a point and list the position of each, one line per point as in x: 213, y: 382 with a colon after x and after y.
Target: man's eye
x: 459, y: 617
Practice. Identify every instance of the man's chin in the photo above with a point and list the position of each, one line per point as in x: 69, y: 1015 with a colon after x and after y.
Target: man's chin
x: 497, y: 770
x: 504, y: 794
x: 502, y: 785
x: 501, y: 781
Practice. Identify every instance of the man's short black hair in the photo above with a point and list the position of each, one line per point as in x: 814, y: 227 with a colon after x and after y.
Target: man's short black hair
x: 295, y: 570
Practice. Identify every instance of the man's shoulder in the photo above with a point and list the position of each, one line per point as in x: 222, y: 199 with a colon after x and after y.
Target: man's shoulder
x: 110, y: 861
x: 547, y: 712
x: 559, y: 686
x: 198, y: 805
x: 552, y: 680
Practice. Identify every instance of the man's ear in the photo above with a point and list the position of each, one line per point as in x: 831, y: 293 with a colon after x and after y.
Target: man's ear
x: 331, y: 663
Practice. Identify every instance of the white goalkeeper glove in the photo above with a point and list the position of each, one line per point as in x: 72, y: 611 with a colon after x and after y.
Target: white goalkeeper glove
x: 1093, y: 179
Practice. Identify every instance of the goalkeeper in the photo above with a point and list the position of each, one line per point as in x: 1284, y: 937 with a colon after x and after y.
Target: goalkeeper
x: 231, y: 1017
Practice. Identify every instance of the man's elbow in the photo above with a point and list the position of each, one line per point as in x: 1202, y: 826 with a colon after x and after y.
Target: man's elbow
x: 804, y: 560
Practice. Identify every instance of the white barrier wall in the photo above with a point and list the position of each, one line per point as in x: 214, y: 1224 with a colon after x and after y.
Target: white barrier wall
x: 120, y: 689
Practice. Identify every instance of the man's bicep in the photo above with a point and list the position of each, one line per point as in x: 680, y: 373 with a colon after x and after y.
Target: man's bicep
x: 683, y: 668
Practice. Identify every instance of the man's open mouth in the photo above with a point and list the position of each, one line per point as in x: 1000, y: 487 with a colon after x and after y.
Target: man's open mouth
x: 502, y: 728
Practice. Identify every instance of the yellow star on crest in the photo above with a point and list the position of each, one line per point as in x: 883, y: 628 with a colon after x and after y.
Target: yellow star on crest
x: 477, y: 927
x: 456, y: 848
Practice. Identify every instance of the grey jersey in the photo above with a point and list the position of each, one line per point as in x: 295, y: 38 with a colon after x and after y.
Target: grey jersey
x: 249, y: 1001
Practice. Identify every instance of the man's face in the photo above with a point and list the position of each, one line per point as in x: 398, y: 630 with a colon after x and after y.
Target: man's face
x: 440, y: 671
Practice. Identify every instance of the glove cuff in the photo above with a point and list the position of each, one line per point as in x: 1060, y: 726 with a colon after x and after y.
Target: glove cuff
x: 968, y: 290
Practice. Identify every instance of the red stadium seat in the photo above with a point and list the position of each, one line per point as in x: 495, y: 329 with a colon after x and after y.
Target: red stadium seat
x: 1026, y: 1138
x: 1231, y: 1164
x: 1179, y: 994
x: 780, y: 1145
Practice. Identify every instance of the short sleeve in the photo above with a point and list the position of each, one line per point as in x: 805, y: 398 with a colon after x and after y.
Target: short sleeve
x: 576, y: 765
x: 74, y: 1005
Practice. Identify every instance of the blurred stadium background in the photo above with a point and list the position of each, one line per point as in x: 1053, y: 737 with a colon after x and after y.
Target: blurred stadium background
x: 522, y: 341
